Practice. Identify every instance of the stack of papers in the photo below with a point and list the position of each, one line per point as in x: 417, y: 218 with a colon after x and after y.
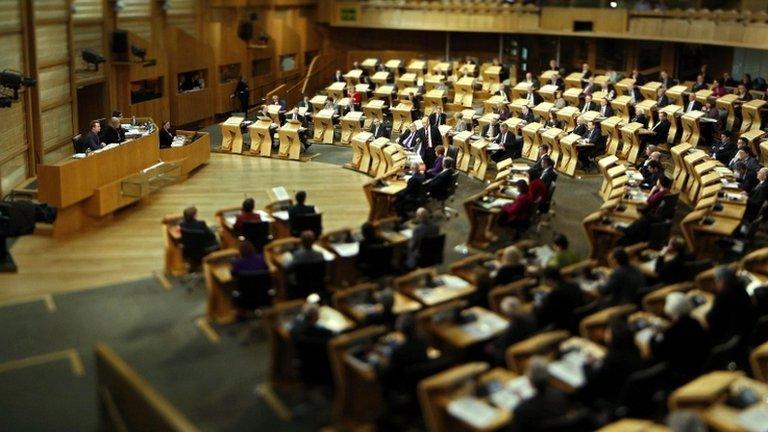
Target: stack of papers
x: 570, y: 369
x: 514, y: 392
x: 473, y: 412
x: 755, y: 419
x: 346, y: 249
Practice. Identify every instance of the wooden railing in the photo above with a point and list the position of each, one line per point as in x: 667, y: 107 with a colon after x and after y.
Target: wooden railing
x: 317, y: 77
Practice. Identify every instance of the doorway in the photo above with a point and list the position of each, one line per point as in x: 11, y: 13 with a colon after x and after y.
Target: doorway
x: 91, y: 104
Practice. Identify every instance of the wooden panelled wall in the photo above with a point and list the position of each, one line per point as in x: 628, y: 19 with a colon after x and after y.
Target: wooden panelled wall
x: 44, y: 39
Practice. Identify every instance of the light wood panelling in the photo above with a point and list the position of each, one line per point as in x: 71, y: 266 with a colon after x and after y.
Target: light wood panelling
x: 88, y: 9
x: 13, y: 134
x: 11, y: 52
x: 13, y: 172
x: 56, y: 127
x: 52, y: 45
x: 10, y: 15
x: 187, y: 23
x: 141, y: 28
x: 64, y: 150
x: 136, y: 9
x: 51, y: 10
x: 88, y: 36
x: 54, y: 86
x: 182, y: 7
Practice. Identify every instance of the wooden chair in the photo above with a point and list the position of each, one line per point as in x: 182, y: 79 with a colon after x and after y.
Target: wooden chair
x: 514, y: 289
x: 593, y: 326
x: 545, y: 343
x: 653, y: 302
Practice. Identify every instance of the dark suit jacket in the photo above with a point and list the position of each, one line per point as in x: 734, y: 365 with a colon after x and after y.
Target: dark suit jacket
x: 660, y: 131
x: 623, y: 285
x: 662, y: 101
x: 699, y: 86
x: 413, y: 188
x: 557, y: 307
x: 608, y: 112
x: 724, y: 151
x: 580, y: 130
x: 427, y: 153
x: 299, y: 209
x: 696, y: 106
x: 422, y: 231
x: 755, y: 200
x: 382, y: 132
x: 166, y: 138
x: 672, y: 271
x: 748, y: 182
x: 536, y: 98
x: 486, y: 128
x: 636, y: 93
x: 403, y: 139
x: 593, y: 136
x: 91, y: 141
x: 338, y: 78
x: 198, y: 225
x: 606, y: 381
x: 536, y: 168
x: 732, y: 314
x: 590, y: 106
x: 440, y: 183
x: 433, y: 119
x: 308, y: 105
x: 528, y: 118
x: 642, y: 119
x: 667, y: 83
x: 546, y: 405
x: 684, y: 345
x: 113, y: 136
x: 636, y: 232
x: 548, y: 176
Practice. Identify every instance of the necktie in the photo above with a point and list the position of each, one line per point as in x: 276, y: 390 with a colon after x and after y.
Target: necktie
x: 584, y: 109
x: 504, y: 138
x: 409, y: 139
x: 429, y: 137
x: 376, y: 132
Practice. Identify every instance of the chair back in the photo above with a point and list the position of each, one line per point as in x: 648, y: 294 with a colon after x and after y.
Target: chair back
x: 314, y: 363
x: 253, y: 289
x: 77, y: 143
x: 431, y: 251
x: 547, y: 202
x: 256, y: 233
x: 376, y: 260
x: 307, y: 222
x: 640, y: 388
x: 309, y: 279
x: 194, y: 245
x: 668, y: 206
x: 692, y: 268
x: 658, y: 234
x: 575, y: 421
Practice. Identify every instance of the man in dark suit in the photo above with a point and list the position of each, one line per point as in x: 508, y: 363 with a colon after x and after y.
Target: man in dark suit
x: 536, y: 169
x: 581, y: 127
x: 585, y: 73
x: 410, y: 198
x: 661, y: 98
x: 548, y: 174
x: 693, y: 104
x: 191, y: 223
x: 699, y: 84
x: 660, y: 130
x: 507, y: 140
x: 438, y: 185
x: 594, y: 137
x: 732, y: 313
x: 526, y: 114
x: 424, y: 228
x: 279, y: 102
x: 605, y: 108
x: 640, y: 117
x: 310, y: 339
x: 379, y: 129
x: 557, y: 306
x: 666, y: 81
x: 437, y: 118
x: 430, y: 138
x: 491, y: 130
x: 521, y: 325
x: 757, y: 197
x: 547, y: 404
x: 91, y: 140
x: 409, y: 138
x: 634, y: 94
x: 305, y: 103
x: 747, y: 179
x: 638, y: 77
x: 243, y: 95
x: 338, y: 76
x: 724, y: 149
x: 532, y: 97
x: 624, y: 282
x: 294, y: 115
x: 588, y: 105
x: 502, y: 91
x: 300, y: 208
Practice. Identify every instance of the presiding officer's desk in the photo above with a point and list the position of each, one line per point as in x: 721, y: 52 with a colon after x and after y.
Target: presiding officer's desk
x: 87, y: 190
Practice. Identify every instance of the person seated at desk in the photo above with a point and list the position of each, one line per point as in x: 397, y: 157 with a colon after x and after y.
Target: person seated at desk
x: 91, y: 140
x: 743, y: 94
x: 732, y: 313
x: 653, y: 173
x: 507, y: 139
x: 438, y: 186
x: 383, y: 314
x: 409, y: 349
x: 625, y: 281
x: 380, y: 129
x: 757, y: 197
x: 305, y: 103
x: 462, y: 124
x: 521, y: 325
x: 437, y: 166
x: 300, y: 208
x: 501, y: 91
x: 581, y: 127
x: 640, y: 117
x: 746, y: 179
x: 593, y: 143
x: 113, y: 133
x: 437, y: 118
x: 491, y: 130
x: 304, y: 254
x: 370, y: 236
x: 409, y: 138
x: 166, y: 135
x: 745, y: 155
x: 249, y: 261
x: 311, y: 342
x: 532, y: 98
x: 635, y: 96
x: 279, y: 102
x: 414, y: 194
x: 684, y: 345
x: 662, y: 99
x: 547, y: 404
x: 559, y: 102
x: 670, y: 264
x: 504, y: 112
x: 659, y: 131
x: 651, y: 154
x: 588, y: 105
x: 190, y: 222
x: 556, y: 307
x: 293, y: 115
x: 637, y: 231
x: 246, y: 215
x: 424, y: 228
x: 552, y: 121
x: 662, y: 188
x: 693, y: 104
x: 526, y: 115
x: 562, y: 256
x: 511, y: 269
x: 699, y: 84
x: 604, y: 379
x: 535, y: 170
x: 605, y: 109
x: 517, y: 214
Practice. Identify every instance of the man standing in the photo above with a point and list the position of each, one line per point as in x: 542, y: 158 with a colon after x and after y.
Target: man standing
x: 243, y: 94
x: 430, y: 138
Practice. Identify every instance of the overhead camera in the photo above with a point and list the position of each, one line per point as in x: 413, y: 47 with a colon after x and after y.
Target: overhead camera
x: 139, y: 52
x: 5, y: 102
x: 10, y: 84
x: 93, y: 58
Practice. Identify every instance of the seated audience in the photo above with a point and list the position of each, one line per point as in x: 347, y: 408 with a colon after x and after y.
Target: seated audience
x: 556, y: 307
x: 757, y: 197
x: 91, y: 140
x: 637, y: 231
x: 652, y: 175
x: 624, y: 282
x: 191, y: 223
x: 300, y: 208
x: 561, y: 256
x: 511, y: 268
x: 311, y: 341
x: 547, y: 404
x: 662, y: 188
x: 249, y: 260
x: 424, y: 228
x: 370, y: 236
x: 732, y: 312
x: 438, y: 186
x: 113, y: 134
x: 670, y: 264
x: 246, y: 215
x: 521, y: 325
x: 304, y: 254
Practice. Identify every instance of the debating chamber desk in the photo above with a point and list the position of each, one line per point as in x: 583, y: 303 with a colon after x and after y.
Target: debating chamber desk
x: 88, y: 189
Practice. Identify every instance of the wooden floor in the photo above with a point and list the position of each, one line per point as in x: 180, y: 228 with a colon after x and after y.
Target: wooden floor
x: 130, y: 246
